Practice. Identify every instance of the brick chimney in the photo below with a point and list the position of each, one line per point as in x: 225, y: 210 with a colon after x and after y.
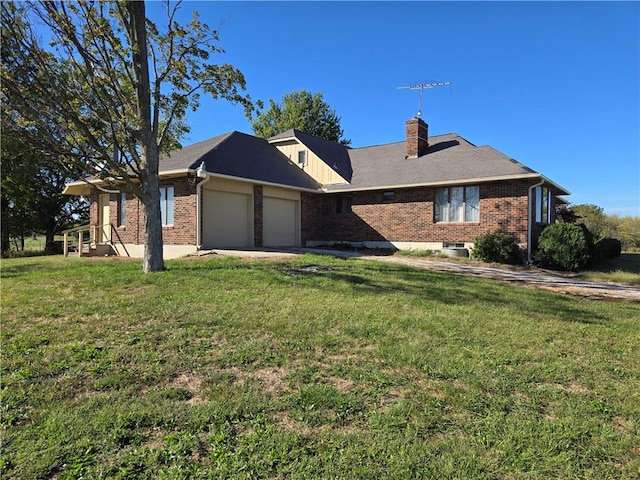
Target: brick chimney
x: 417, y: 138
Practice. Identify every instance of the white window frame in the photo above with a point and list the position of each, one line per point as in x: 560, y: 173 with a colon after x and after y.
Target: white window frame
x: 302, y: 157
x: 543, y: 205
x: 465, y: 208
x: 166, y: 205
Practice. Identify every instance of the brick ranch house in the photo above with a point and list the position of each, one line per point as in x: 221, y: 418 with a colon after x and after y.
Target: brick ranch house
x: 236, y: 191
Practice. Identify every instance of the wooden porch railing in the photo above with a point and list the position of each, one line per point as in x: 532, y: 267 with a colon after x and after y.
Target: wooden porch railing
x: 95, y: 234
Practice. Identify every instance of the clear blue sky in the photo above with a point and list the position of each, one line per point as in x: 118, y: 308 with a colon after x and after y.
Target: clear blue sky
x: 555, y: 86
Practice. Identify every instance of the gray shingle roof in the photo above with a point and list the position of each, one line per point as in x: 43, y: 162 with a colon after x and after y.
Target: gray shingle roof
x: 450, y: 158
x: 240, y: 155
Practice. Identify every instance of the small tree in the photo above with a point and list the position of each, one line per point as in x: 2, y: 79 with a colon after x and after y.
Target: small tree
x: 301, y: 110
x: 565, y: 213
x: 592, y: 217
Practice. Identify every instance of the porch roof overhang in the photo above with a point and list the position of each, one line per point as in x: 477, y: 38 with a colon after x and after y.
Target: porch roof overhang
x: 83, y: 187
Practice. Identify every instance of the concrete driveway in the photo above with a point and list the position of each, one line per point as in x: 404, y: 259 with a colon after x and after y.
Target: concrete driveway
x: 530, y: 278
x: 256, y: 253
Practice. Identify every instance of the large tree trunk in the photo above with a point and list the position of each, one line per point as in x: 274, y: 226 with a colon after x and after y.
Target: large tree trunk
x: 4, y: 229
x: 149, y: 153
x: 153, y: 250
x: 49, y: 243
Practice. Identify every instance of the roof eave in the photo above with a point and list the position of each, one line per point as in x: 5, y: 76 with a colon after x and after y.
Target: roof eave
x: 263, y: 183
x: 283, y: 139
x: 560, y: 190
x: 466, y: 181
x: 80, y: 188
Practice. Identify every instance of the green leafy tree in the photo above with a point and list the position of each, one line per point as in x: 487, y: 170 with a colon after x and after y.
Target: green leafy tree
x: 32, y: 198
x: 628, y: 230
x: 566, y: 214
x: 592, y: 217
x: 111, y: 91
x: 301, y: 110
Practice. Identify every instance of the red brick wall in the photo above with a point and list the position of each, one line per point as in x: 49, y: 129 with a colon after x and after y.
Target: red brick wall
x: 183, y: 230
x: 410, y: 216
x: 258, y: 215
x: 311, y: 216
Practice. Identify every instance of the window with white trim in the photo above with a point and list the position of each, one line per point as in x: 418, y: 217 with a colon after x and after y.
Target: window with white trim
x: 302, y: 158
x: 457, y: 204
x: 543, y: 205
x: 122, y: 210
x: 166, y: 205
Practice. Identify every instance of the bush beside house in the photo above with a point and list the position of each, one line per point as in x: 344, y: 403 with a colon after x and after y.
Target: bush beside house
x: 565, y: 246
x: 496, y: 247
x: 606, y: 249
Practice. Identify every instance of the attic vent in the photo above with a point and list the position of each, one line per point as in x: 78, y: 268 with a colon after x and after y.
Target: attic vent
x: 388, y: 196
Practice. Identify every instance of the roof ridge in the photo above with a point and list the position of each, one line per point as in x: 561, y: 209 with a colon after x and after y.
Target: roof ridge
x: 403, y: 141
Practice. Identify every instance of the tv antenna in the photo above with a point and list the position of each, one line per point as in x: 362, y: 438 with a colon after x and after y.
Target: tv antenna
x: 421, y: 87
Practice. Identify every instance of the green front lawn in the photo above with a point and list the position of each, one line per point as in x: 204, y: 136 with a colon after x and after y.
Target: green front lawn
x: 309, y: 368
x: 623, y: 269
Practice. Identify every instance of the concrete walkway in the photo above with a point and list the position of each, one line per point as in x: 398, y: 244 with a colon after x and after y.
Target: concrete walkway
x: 547, y: 281
x: 531, y: 278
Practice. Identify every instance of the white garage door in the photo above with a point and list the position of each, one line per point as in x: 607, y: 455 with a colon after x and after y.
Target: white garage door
x: 280, y: 222
x: 226, y: 219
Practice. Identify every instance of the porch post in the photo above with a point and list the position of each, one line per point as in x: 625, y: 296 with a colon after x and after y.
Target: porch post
x: 65, y: 248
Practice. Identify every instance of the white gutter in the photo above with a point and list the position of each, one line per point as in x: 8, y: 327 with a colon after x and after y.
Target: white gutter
x: 463, y: 181
x: 531, y: 218
x: 263, y: 183
x: 201, y: 172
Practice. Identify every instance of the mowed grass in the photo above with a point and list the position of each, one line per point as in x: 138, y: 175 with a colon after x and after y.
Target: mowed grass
x: 310, y: 368
x: 622, y: 269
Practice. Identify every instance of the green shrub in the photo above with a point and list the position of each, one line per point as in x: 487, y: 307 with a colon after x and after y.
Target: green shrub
x: 606, y: 248
x: 565, y: 246
x: 496, y: 247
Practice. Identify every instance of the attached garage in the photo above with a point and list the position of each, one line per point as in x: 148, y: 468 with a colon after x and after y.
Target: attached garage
x: 227, y: 216
x: 281, y: 218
